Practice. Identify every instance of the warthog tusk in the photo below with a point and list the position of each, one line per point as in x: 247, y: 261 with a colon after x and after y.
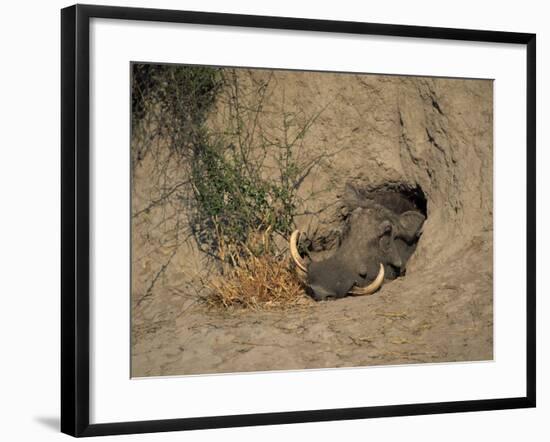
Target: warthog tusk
x: 372, y: 287
x: 294, y: 251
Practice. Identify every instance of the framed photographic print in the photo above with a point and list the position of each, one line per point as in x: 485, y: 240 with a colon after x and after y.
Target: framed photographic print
x: 273, y: 220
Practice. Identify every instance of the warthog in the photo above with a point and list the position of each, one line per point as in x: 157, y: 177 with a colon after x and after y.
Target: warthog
x: 378, y: 240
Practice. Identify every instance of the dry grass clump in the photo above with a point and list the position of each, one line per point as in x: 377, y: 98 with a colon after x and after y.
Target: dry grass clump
x: 259, y: 283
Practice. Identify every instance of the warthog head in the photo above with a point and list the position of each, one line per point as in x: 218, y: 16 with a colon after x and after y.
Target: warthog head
x: 376, y: 245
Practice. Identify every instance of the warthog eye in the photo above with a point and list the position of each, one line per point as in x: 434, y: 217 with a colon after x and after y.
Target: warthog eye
x: 385, y: 228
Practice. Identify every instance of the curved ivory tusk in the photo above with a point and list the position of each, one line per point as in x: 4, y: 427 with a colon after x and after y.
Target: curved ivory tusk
x: 372, y: 287
x: 294, y: 251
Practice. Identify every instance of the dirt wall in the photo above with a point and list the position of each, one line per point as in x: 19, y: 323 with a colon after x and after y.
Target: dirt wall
x: 366, y: 130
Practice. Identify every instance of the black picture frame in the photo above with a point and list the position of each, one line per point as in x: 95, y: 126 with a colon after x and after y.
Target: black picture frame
x: 75, y: 225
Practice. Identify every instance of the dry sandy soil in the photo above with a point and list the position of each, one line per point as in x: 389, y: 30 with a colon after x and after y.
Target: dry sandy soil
x: 435, y: 133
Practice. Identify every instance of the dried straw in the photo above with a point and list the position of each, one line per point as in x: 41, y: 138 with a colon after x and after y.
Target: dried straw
x: 259, y: 283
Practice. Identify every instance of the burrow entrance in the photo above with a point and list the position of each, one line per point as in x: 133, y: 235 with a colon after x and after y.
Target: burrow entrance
x: 401, y: 206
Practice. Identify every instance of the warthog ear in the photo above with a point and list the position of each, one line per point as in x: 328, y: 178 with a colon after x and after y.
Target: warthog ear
x: 411, y: 223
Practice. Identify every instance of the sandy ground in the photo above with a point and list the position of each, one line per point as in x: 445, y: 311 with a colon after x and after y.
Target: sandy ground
x: 432, y: 132
x: 429, y: 317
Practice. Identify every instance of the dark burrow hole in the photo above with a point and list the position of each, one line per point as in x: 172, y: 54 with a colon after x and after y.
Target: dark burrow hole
x: 386, y: 221
x: 398, y: 197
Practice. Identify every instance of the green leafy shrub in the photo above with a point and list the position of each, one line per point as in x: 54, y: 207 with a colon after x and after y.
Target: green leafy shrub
x: 229, y: 198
